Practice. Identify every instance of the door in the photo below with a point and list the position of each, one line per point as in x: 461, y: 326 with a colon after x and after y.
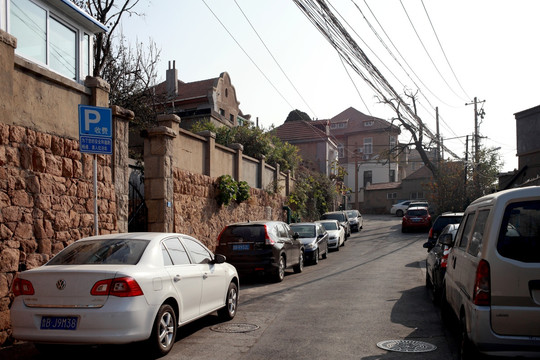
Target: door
x: 290, y: 245
x: 186, y: 278
x: 214, y: 277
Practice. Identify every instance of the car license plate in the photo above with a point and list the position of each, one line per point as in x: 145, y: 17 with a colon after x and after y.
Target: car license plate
x: 416, y: 220
x: 58, y: 322
x: 240, y: 247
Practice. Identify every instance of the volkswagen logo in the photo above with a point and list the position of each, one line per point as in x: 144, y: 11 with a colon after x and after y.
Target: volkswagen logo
x: 61, y: 284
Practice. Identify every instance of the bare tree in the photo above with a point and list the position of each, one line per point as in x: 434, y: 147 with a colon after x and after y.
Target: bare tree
x: 109, y: 13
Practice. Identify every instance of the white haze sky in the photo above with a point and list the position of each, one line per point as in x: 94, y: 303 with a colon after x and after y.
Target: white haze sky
x: 491, y: 46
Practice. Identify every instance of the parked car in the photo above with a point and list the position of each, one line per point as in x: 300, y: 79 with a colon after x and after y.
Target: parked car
x: 336, y: 233
x: 416, y: 218
x: 492, y: 282
x: 315, y: 240
x: 343, y: 219
x: 399, y: 208
x: 122, y: 288
x: 262, y: 246
x: 440, y: 223
x: 437, y: 260
x: 418, y: 204
x: 355, y: 220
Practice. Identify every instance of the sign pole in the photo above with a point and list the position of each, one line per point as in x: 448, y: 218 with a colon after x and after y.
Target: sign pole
x: 96, y: 218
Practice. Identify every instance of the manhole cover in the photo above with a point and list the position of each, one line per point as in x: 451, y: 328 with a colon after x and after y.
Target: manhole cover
x: 410, y: 346
x: 234, y: 328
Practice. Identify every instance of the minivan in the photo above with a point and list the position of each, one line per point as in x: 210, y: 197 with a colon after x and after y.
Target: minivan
x: 492, y: 281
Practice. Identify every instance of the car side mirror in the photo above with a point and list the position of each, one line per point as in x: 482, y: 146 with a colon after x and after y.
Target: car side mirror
x: 219, y: 259
x: 296, y: 236
x: 447, y: 240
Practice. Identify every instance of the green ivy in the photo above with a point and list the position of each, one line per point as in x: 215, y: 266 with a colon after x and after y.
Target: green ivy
x: 231, y: 190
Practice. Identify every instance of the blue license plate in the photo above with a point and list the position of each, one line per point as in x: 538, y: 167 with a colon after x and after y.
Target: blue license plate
x: 240, y: 247
x: 59, y: 322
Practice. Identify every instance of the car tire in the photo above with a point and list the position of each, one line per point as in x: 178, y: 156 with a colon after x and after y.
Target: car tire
x: 399, y: 213
x: 163, y: 334
x: 279, y: 274
x: 298, y: 268
x: 429, y: 285
x: 316, y: 257
x: 325, y: 255
x: 403, y: 230
x: 467, y: 350
x: 228, y: 312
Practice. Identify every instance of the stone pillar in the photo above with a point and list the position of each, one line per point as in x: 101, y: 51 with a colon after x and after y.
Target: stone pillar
x: 288, y: 183
x: 8, y: 43
x: 100, y: 91
x: 260, y: 175
x: 121, y: 119
x: 210, y: 148
x: 238, y: 160
x: 158, y: 173
x: 276, y: 179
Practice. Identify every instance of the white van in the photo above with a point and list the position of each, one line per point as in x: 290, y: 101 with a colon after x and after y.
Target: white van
x: 492, y: 282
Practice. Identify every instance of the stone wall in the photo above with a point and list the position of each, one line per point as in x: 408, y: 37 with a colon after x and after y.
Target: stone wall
x: 46, y: 202
x: 197, y: 213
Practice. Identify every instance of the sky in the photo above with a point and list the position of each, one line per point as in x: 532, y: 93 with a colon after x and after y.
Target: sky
x: 447, y: 52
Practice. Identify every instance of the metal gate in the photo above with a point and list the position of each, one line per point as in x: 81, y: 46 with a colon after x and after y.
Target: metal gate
x: 138, y: 212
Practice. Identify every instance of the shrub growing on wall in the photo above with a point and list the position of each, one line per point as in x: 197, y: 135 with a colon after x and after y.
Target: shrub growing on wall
x: 231, y: 190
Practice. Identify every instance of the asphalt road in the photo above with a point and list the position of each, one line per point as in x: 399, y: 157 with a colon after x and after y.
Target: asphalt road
x: 370, y: 291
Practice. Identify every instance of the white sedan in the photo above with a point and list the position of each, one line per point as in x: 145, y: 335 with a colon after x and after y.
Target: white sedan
x: 122, y: 288
x: 336, y: 233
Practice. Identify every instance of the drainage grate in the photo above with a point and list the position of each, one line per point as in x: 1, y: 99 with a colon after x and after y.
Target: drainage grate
x: 410, y: 346
x: 234, y: 328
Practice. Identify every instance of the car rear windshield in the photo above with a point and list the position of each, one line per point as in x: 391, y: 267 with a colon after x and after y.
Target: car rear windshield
x: 330, y: 225
x: 442, y: 221
x: 519, y: 236
x: 243, y: 233
x: 305, y: 231
x: 338, y: 217
x: 102, y: 251
x: 419, y: 212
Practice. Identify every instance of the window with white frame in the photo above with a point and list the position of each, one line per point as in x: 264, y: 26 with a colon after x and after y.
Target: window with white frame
x: 417, y: 195
x: 368, y: 145
x: 391, y: 195
x: 49, y: 39
x: 368, y: 123
x: 338, y: 125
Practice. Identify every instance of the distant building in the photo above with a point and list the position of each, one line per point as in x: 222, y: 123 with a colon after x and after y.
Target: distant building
x: 528, y: 151
x: 316, y: 147
x: 213, y: 99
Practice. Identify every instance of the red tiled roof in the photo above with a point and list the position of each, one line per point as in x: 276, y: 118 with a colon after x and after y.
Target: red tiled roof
x: 355, y: 122
x: 384, y: 186
x: 196, y: 89
x: 299, y: 130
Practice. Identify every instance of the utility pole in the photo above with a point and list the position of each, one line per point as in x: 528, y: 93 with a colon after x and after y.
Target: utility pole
x: 438, y: 136
x: 356, y: 203
x: 477, y: 113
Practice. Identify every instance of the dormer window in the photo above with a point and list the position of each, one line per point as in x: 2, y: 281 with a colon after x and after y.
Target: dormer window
x: 46, y: 36
x: 338, y: 125
x: 368, y: 123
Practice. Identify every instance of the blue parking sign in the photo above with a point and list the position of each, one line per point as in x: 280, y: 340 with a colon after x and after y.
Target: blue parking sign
x: 95, y: 129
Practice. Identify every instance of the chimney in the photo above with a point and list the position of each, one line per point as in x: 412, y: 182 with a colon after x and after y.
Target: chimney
x: 327, y: 127
x: 172, y: 80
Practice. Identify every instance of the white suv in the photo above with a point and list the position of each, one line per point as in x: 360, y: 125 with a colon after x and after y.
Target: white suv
x: 492, y: 282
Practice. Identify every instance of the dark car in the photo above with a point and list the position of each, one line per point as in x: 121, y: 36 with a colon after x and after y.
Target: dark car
x: 262, y: 246
x: 437, y: 260
x: 440, y: 223
x: 416, y: 218
x: 340, y: 216
x: 315, y: 240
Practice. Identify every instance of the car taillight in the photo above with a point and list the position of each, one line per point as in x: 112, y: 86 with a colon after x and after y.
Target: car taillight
x: 219, y: 237
x: 430, y: 235
x: 121, y: 287
x: 22, y: 287
x: 444, y: 258
x: 267, y: 239
x: 482, y: 286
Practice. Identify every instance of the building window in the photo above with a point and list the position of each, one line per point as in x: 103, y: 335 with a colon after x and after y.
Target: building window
x: 226, y: 92
x: 44, y: 38
x: 231, y: 118
x: 417, y: 195
x: 341, y: 151
x: 338, y: 125
x: 391, y: 195
x: 368, y: 145
x: 368, y: 177
x: 392, y: 175
x: 221, y: 112
x: 368, y: 123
